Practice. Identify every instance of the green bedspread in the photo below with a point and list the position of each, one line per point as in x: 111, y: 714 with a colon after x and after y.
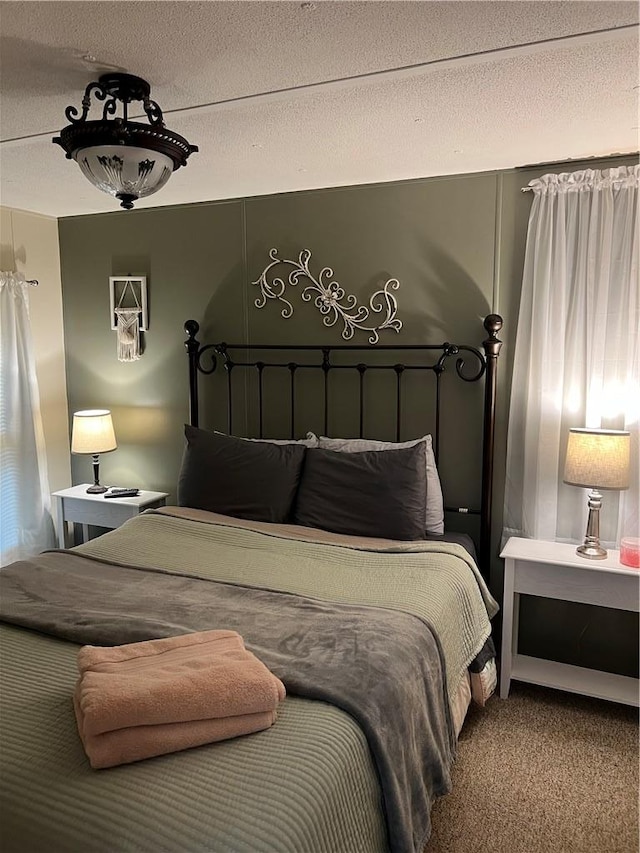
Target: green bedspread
x: 307, y: 784
x: 437, y: 582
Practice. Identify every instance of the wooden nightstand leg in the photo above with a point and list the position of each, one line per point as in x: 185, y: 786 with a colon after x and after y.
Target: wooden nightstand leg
x: 61, y: 524
x: 510, y: 607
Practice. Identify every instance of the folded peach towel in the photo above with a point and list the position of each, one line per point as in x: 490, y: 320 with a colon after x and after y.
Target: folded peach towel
x: 201, y: 676
x: 135, y: 743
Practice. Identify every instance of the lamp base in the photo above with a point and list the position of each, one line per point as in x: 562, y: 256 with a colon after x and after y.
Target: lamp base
x: 591, y: 548
x: 96, y: 490
x: 591, y: 552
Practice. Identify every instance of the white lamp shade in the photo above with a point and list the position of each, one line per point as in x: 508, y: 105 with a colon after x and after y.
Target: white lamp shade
x: 92, y: 432
x: 598, y: 459
x: 125, y: 169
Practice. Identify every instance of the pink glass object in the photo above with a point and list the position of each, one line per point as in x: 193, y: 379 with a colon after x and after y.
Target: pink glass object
x: 630, y: 552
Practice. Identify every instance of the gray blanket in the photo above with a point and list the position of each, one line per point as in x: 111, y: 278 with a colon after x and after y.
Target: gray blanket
x: 383, y: 667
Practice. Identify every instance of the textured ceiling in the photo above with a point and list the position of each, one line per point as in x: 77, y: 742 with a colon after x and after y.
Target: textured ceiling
x: 283, y: 96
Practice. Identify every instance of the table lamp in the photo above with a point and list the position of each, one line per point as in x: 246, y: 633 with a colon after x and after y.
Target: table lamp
x: 596, y: 459
x: 92, y: 433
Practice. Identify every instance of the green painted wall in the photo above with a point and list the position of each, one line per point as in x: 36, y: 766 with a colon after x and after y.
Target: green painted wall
x: 456, y: 244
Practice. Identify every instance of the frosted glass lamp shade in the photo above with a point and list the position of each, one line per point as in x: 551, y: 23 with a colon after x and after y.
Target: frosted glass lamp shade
x: 124, y: 171
x: 598, y: 459
x: 93, y: 432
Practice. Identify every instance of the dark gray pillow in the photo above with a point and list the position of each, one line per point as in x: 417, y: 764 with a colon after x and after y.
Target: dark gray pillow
x: 370, y: 493
x: 244, y: 479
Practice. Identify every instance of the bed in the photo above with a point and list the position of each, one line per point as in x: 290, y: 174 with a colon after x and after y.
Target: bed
x: 380, y: 639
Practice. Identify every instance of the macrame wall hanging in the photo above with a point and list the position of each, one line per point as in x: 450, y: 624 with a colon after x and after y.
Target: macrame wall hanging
x: 330, y: 298
x: 128, y: 301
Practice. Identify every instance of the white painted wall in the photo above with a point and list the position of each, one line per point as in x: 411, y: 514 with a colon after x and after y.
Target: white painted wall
x: 29, y: 245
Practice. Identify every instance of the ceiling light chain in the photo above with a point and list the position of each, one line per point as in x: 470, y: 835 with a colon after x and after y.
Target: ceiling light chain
x: 126, y: 159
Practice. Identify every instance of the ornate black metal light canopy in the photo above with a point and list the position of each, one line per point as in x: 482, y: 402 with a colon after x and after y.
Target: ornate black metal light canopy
x: 126, y: 159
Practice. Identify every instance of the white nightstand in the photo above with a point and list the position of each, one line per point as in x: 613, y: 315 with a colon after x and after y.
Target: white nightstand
x: 75, y: 505
x: 554, y: 570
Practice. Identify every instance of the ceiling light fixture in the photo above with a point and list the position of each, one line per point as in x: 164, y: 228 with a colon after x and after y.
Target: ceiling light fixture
x: 126, y: 159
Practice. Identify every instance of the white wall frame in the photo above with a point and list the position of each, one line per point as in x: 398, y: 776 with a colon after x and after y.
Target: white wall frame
x: 128, y: 291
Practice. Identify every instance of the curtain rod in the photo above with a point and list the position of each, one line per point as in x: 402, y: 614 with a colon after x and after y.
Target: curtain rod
x: 32, y: 281
x: 615, y: 182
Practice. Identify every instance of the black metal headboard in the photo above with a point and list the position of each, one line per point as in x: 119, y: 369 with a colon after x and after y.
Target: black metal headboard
x: 347, y: 357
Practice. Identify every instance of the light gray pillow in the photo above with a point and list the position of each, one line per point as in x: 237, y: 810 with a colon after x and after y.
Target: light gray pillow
x: 310, y: 441
x: 434, y: 501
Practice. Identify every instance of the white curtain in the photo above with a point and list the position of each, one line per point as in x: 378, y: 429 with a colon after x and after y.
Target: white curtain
x: 576, y: 360
x: 25, y: 516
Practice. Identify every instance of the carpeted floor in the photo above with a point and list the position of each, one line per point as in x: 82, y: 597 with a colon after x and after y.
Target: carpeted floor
x: 542, y: 772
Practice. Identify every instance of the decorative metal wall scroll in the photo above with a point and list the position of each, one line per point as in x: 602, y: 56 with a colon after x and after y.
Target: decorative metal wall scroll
x: 329, y: 297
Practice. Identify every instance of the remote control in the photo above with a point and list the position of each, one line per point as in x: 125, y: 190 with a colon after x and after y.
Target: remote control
x: 122, y: 493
